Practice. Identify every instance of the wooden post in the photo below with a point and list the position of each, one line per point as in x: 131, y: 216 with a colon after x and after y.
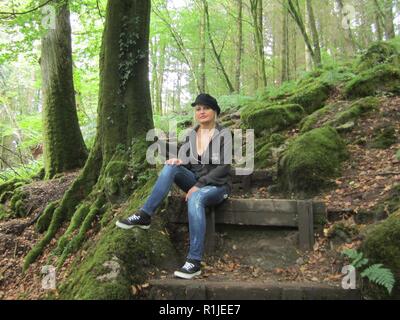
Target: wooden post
x: 209, y: 245
x: 306, y: 224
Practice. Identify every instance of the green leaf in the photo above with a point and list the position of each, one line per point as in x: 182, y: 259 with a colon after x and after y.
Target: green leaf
x: 379, y: 275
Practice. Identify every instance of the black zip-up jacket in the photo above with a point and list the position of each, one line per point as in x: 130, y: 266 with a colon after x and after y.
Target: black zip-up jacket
x: 212, y: 170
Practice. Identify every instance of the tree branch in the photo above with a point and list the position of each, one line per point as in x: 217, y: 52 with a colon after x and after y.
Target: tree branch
x: 13, y: 13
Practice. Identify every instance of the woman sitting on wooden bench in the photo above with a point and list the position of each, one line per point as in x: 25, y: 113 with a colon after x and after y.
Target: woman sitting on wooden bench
x: 206, y: 179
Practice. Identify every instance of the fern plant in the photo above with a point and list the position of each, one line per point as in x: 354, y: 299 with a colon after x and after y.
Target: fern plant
x: 375, y: 273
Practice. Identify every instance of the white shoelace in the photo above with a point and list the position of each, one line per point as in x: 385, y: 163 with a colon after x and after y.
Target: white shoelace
x: 133, y: 218
x: 188, y: 265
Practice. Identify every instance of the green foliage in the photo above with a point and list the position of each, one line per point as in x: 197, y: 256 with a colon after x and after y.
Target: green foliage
x: 357, y: 259
x: 24, y: 172
x: 375, y: 273
x: 379, y: 275
x: 234, y: 102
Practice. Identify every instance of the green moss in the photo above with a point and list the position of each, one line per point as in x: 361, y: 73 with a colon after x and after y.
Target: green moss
x: 131, y: 253
x: 355, y: 111
x: 74, y: 244
x: 382, y: 78
x: 263, y: 150
x: 18, y: 203
x: 384, y: 137
x: 4, y: 214
x: 273, y: 118
x: 7, y: 188
x: 312, y: 96
x: 379, y: 53
x: 276, y: 140
x: 382, y: 245
x: 311, y: 160
x: 309, y: 122
x: 44, y: 220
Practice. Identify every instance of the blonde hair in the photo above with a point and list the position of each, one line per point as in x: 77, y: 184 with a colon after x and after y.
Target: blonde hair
x: 195, y: 120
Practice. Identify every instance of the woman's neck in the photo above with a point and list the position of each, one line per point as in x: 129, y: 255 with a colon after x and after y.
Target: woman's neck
x: 209, y: 125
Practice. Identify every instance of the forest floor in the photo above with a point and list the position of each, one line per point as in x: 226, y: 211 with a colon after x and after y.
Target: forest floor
x: 366, y: 180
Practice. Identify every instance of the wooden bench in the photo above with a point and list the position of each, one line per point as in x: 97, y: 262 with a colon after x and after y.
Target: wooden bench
x: 299, y: 214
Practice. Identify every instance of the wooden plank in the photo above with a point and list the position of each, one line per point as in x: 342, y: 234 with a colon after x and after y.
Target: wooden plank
x: 306, y: 224
x: 259, y: 205
x: 265, y: 212
x: 256, y: 218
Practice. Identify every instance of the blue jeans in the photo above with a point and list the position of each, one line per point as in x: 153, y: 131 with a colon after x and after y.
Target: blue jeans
x: 205, y: 196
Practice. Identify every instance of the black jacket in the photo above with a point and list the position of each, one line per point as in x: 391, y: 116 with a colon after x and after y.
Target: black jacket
x: 210, y: 172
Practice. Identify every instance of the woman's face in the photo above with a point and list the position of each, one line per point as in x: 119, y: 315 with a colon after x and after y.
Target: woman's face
x: 204, y: 114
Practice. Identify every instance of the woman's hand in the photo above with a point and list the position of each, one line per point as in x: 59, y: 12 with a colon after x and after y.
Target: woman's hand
x: 173, y: 161
x: 189, y: 193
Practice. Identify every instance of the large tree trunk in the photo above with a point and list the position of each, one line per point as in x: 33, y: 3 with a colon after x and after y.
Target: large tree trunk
x: 64, y: 148
x: 115, y: 170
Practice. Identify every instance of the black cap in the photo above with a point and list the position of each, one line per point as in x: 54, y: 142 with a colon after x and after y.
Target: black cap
x: 207, y: 100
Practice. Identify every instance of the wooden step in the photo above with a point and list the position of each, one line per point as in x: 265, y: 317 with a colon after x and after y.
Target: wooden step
x: 301, y: 214
x: 177, y: 289
x: 252, y: 212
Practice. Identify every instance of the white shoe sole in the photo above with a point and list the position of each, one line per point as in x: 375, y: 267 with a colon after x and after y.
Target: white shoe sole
x: 182, y: 275
x: 127, y: 227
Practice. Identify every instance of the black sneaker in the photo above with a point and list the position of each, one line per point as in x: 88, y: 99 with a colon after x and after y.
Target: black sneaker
x: 140, y: 219
x: 190, y: 269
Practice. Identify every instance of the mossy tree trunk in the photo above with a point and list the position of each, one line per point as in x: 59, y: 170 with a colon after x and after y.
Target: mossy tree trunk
x: 116, y: 166
x: 64, y: 148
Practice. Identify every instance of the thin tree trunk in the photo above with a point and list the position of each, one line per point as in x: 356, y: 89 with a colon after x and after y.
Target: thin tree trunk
x: 202, y: 67
x: 285, y: 45
x: 349, y: 45
x: 239, y: 45
x: 214, y: 49
x: 64, y: 148
x: 256, y: 12
x: 314, y: 33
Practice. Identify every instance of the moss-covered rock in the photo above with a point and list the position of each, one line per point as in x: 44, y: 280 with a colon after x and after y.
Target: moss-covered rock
x: 266, y: 150
x: 309, y: 122
x: 384, y: 137
x: 379, y: 53
x: 310, y: 160
x: 382, y: 78
x: 355, y: 111
x: 312, y: 96
x: 382, y: 245
x: 273, y: 118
